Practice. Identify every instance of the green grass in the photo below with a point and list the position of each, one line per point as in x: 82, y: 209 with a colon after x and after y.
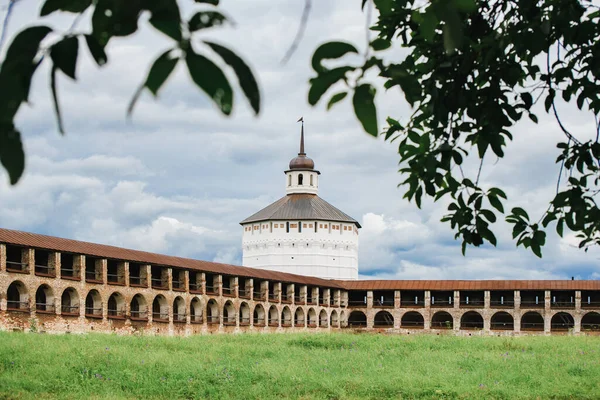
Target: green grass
x: 292, y: 366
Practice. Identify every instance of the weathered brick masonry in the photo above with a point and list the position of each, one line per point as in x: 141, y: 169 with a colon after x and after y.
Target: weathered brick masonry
x: 59, y: 285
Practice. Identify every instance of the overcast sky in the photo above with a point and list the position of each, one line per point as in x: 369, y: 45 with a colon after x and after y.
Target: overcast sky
x: 178, y: 177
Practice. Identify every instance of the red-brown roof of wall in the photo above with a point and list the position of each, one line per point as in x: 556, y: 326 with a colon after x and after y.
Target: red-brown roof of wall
x: 105, y: 251
x: 100, y: 250
x: 471, y: 285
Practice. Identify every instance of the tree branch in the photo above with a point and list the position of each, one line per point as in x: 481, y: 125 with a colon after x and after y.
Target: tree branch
x: 299, y: 33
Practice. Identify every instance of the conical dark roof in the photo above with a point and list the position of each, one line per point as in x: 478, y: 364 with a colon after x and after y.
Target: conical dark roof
x: 301, y: 207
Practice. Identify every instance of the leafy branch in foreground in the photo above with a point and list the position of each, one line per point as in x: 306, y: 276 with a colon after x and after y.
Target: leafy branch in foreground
x: 110, y: 19
x: 472, y: 70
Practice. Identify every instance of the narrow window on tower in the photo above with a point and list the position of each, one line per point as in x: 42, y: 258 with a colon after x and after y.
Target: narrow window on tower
x: 289, y: 180
x: 287, y: 227
x: 299, y: 227
x: 270, y: 227
x: 315, y: 226
x: 311, y: 180
x: 300, y: 179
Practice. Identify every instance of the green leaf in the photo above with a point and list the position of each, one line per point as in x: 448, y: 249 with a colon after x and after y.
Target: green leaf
x: 206, y: 19
x: 320, y: 84
x: 527, y: 99
x: 428, y: 24
x: 73, y: 6
x: 364, y: 108
x: 466, y: 5
x: 453, y: 30
x: 115, y: 18
x: 242, y: 71
x: 330, y: 50
x: 209, y: 77
x: 55, y: 100
x: 64, y: 55
x: 380, y: 44
x: 158, y: 74
x: 213, y: 2
x: 12, y: 155
x: 17, y: 70
x: 336, y: 98
x: 520, y: 212
x: 169, y: 27
x: 533, y: 117
x: 96, y: 50
x: 560, y: 226
x: 496, y: 203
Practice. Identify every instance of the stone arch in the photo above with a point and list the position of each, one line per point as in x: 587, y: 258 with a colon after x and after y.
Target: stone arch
x: 357, y: 319
x: 160, y: 309
x: 179, y: 314
x: 244, y: 313
x: 562, y: 321
x: 299, y: 317
x: 228, y: 313
x: 442, y: 320
x: 412, y: 320
x: 273, y: 316
x: 300, y: 179
x: 44, y: 299
x: 471, y: 320
x: 323, y: 320
x: 532, y: 321
x: 502, y: 321
x: 138, y: 308
x: 93, y: 304
x: 116, y: 305
x: 286, y: 316
x: 69, y: 302
x: 334, y: 321
x: 196, y: 310
x: 17, y: 296
x: 343, y: 319
x: 212, y: 312
x: 258, y: 316
x: 590, y: 321
x: 383, y: 319
x: 312, y: 318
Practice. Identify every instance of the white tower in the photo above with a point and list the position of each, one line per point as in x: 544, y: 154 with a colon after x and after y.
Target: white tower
x: 302, y: 233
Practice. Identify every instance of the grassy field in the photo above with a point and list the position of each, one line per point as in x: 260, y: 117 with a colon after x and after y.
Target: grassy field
x: 298, y: 366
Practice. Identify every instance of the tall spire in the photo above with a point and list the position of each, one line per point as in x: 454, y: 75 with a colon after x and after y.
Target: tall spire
x: 301, y: 137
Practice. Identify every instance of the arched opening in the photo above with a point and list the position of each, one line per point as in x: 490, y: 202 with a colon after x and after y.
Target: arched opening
x: 244, y: 314
x: 532, y: 321
x: 138, y: 309
x: 44, y: 299
x: 412, y: 320
x: 228, y: 313
x: 334, y: 322
x: 179, y: 314
x: 273, y: 316
x: 502, y: 321
x: 590, y: 322
x: 258, y: 316
x: 160, y: 309
x: 300, y: 179
x: 93, y: 304
x: 383, y: 319
x: 311, y: 180
x: 323, y: 320
x: 471, y: 320
x: 442, y: 320
x: 286, y: 317
x: 357, y: 319
x: 562, y: 321
x: 196, y: 311
x: 17, y: 297
x: 289, y: 180
x: 299, y: 317
x: 116, y: 305
x: 212, y: 312
x: 69, y: 302
x: 312, y: 318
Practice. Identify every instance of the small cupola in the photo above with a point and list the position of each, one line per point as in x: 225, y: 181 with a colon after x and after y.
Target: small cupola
x: 302, y: 176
